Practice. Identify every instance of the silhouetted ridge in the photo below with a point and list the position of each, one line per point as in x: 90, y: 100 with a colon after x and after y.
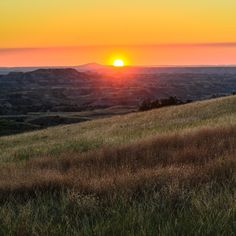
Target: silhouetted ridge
x: 67, y: 73
x: 49, y: 73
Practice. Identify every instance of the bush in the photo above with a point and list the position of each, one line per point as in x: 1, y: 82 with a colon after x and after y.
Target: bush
x: 148, y: 104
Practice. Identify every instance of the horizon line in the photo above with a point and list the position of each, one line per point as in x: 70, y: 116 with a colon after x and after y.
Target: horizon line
x: 129, y: 66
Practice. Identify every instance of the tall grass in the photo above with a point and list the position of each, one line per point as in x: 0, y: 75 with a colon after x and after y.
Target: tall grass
x: 170, y: 184
x: 158, y: 183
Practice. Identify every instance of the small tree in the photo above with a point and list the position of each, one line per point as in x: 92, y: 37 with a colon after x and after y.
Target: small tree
x: 145, y: 105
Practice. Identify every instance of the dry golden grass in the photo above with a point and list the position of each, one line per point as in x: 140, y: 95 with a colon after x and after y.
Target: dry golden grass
x: 190, y: 158
x: 168, y: 171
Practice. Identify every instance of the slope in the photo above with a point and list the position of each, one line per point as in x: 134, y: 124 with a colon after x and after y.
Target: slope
x: 170, y: 171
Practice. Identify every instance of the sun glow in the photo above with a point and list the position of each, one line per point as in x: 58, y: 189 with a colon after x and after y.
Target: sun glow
x: 118, y: 63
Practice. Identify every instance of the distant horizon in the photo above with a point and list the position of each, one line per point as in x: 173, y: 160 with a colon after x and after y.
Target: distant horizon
x: 106, y: 65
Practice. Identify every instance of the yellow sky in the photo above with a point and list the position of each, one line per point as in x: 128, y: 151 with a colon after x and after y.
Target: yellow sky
x: 75, y: 23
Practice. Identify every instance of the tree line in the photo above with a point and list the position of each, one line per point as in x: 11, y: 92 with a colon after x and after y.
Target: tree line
x: 149, y: 104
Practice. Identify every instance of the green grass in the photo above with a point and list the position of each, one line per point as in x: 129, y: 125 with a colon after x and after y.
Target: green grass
x: 170, y: 171
x: 197, y: 213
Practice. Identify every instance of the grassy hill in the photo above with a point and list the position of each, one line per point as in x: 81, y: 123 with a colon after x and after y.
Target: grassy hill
x: 170, y: 171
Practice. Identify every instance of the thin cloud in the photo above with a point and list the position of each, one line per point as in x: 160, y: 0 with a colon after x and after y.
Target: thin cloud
x: 217, y: 44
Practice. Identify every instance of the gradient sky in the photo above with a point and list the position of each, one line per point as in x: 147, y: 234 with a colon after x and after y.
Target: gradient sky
x: 154, y: 32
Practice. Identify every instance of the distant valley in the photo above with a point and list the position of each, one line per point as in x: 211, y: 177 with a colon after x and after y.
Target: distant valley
x: 64, y: 94
x: 68, y: 90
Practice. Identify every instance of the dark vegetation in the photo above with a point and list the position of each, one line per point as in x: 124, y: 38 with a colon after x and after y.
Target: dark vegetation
x: 19, y: 124
x: 12, y: 127
x: 149, y: 104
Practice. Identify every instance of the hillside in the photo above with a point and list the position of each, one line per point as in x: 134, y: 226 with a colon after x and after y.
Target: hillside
x: 168, y: 171
x: 121, y: 129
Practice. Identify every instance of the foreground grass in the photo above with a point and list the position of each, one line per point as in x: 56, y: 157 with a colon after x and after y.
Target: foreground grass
x: 171, y: 184
x: 202, y: 212
x: 166, y: 172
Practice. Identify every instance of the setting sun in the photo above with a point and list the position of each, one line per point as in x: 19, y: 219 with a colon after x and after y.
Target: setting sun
x: 118, y: 63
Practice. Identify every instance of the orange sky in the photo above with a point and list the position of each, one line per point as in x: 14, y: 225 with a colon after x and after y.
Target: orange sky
x: 144, y: 32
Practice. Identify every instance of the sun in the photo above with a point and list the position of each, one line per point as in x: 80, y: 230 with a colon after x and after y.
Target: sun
x: 118, y: 63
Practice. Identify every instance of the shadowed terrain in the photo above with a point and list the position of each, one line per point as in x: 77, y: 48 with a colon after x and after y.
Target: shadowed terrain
x: 68, y: 90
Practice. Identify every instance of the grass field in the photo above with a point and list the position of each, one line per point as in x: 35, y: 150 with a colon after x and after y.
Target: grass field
x: 170, y: 171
